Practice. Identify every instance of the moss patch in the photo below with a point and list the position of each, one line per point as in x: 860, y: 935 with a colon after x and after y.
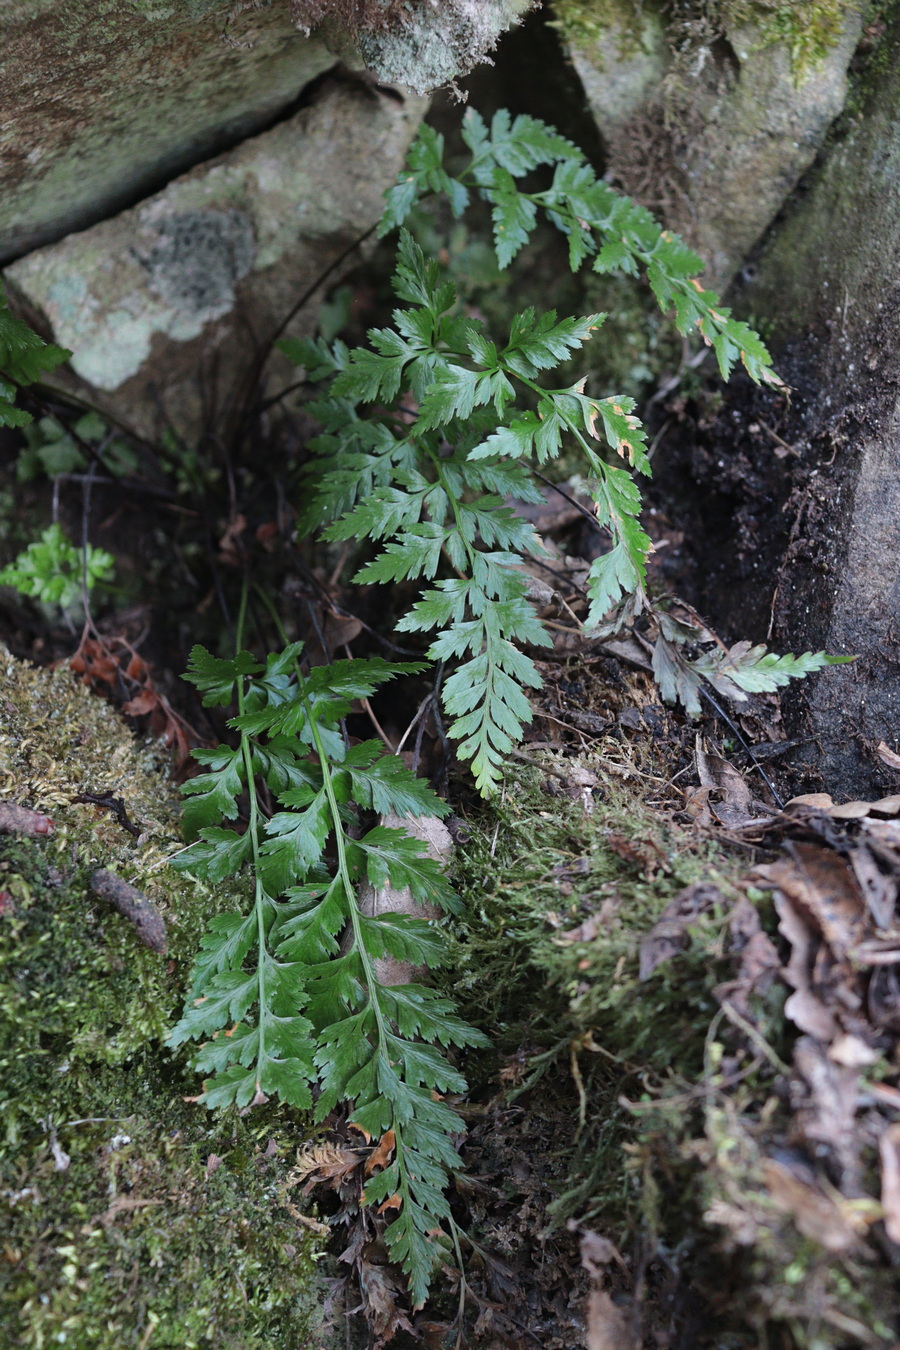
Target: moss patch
x: 131, y: 1216
x: 670, y: 1118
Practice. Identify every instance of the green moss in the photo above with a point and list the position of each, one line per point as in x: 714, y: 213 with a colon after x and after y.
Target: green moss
x: 117, y: 1230
x: 669, y: 1117
x: 587, y: 23
x: 143, y: 1237
x: 808, y: 28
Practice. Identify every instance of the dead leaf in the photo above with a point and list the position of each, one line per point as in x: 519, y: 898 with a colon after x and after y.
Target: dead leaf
x: 381, y: 1289
x: 850, y: 811
x: 889, y: 1148
x: 669, y: 934
x: 805, y: 1009
x: 879, y: 888
x: 816, y: 1214
x: 381, y: 1154
x: 828, y: 1115
x: 820, y: 801
x: 597, y: 1252
x: 696, y: 804
x: 888, y: 756
x: 851, y: 1052
x: 821, y: 884
x: 735, y: 809
x: 607, y: 1325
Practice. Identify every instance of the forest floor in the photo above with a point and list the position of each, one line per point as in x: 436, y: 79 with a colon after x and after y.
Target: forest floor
x: 683, y: 951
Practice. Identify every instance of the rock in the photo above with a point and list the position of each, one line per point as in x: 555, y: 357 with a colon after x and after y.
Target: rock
x: 827, y: 285
x: 418, y: 46
x: 715, y: 143
x: 104, y: 100
x: 164, y: 305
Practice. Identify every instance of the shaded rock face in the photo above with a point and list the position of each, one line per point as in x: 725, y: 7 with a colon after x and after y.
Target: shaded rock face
x: 165, y: 305
x: 717, y: 143
x: 828, y: 282
x: 420, y: 44
x: 101, y: 103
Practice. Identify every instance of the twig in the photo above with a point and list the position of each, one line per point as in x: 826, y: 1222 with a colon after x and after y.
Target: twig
x: 746, y: 746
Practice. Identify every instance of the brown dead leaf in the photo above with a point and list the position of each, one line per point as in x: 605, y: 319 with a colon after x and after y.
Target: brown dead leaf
x: 323, y: 1162
x: 759, y: 960
x: 696, y: 804
x: 820, y: 801
x: 879, y: 888
x: 823, y: 887
x: 607, y: 1325
x: 381, y: 1154
x: 850, y: 811
x: 889, y: 1148
x: 669, y: 934
x: 382, y: 1291
x: 888, y: 756
x: 231, y: 551
x: 816, y: 1214
x: 805, y: 1009
x: 734, y: 809
x: 827, y: 1117
x: 585, y: 932
x: 341, y: 630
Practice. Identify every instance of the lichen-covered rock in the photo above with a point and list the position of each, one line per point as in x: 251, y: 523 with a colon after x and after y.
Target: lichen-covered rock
x: 102, y: 100
x: 421, y: 45
x: 716, y: 142
x: 158, y: 304
x: 129, y: 1214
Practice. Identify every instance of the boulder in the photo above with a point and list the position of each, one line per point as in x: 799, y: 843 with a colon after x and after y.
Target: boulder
x: 711, y: 129
x: 103, y: 101
x: 165, y: 306
x: 827, y: 286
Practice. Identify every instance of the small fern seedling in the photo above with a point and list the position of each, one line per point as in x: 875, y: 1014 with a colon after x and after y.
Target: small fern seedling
x: 458, y: 421
x: 285, y: 997
x: 53, y: 571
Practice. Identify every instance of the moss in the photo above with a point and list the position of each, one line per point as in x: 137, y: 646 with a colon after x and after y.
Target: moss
x: 808, y: 28
x: 668, y: 1118
x: 163, y: 1227
x: 119, y: 1230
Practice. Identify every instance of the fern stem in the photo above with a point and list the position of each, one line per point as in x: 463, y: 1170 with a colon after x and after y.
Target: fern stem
x: 258, y: 893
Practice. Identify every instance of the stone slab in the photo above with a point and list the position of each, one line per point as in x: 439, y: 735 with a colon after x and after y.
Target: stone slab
x: 165, y: 305
x: 718, y: 144
x: 102, y: 101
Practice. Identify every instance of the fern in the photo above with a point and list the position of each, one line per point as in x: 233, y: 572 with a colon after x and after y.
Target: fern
x: 285, y: 997
x: 428, y: 480
x: 53, y: 571
x: 24, y: 358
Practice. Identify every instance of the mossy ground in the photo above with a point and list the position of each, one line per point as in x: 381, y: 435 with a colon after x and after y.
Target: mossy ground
x: 130, y: 1216
x: 665, y: 1114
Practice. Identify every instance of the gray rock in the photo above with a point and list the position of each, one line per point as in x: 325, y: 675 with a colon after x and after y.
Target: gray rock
x: 441, y: 41
x: 715, y: 144
x: 164, y: 305
x: 828, y: 286
x: 102, y: 101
